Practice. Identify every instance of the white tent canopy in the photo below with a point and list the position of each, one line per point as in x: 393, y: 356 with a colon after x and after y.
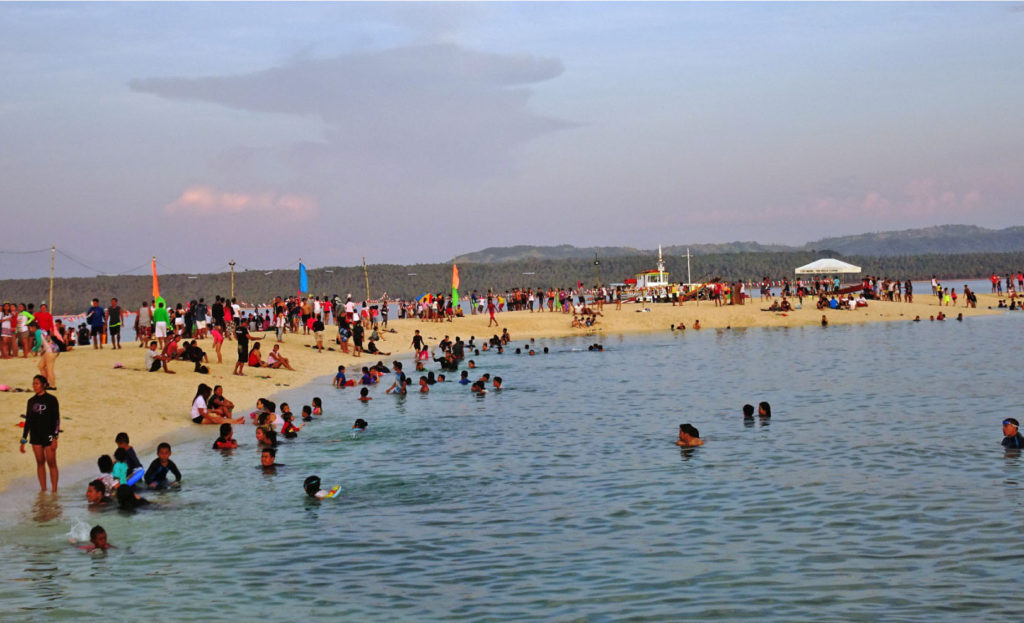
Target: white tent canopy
x: 827, y: 266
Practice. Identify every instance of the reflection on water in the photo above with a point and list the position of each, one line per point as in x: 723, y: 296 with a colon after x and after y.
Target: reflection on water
x: 46, y: 508
x: 878, y: 491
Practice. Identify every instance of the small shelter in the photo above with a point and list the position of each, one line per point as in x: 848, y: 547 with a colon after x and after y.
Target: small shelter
x: 827, y: 266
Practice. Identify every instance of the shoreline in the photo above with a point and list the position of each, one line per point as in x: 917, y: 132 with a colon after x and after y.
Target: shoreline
x: 99, y: 400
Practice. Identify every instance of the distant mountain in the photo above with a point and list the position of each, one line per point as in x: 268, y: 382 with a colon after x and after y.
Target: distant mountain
x: 939, y: 240
x: 498, y: 255
x: 943, y: 239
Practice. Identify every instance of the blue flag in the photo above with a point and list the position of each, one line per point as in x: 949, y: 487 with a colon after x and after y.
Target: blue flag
x: 303, y: 280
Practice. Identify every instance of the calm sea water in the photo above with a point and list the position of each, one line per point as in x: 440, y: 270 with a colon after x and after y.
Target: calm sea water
x: 878, y: 491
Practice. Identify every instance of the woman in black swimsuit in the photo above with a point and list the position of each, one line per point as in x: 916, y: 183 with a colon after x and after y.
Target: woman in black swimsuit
x: 42, y: 425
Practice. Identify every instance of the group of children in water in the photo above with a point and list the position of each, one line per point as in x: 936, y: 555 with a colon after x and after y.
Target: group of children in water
x: 120, y: 475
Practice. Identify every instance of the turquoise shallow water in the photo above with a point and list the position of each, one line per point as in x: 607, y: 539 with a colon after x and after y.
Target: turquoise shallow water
x: 878, y: 491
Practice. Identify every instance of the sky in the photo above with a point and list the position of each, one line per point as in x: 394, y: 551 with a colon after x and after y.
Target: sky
x: 414, y: 132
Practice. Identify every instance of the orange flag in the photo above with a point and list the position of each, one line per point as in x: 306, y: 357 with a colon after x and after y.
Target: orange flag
x: 455, y: 285
x: 156, y: 284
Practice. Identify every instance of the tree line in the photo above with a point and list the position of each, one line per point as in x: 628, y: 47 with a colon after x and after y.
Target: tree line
x: 73, y: 295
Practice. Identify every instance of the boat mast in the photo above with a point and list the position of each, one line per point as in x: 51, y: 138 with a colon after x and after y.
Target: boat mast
x: 688, y: 279
x: 661, y: 267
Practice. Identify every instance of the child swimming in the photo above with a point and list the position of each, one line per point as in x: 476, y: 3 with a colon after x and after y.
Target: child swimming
x: 312, y: 487
x: 156, y: 475
x: 318, y: 406
x: 227, y: 440
x: 289, y: 429
x: 97, y: 540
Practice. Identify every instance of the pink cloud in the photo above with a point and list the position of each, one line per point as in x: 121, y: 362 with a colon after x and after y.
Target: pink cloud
x: 206, y: 201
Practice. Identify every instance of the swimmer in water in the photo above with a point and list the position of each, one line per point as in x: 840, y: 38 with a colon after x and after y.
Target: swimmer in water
x: 696, y: 324
x: 471, y: 364
x: 289, y: 429
x: 1011, y: 436
x: 97, y: 540
x: 268, y: 461
x: 307, y: 413
x: 312, y: 488
x: 748, y: 412
x: 497, y: 382
x: 478, y: 388
x: 364, y: 395
x: 96, y: 493
x: 265, y: 437
x: 129, y: 500
x: 689, y: 436
x: 318, y: 406
x: 764, y: 410
x: 227, y: 440
x: 464, y: 378
x: 359, y: 425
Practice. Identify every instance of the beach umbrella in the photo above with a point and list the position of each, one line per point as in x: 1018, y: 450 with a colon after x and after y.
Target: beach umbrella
x: 426, y: 296
x: 827, y: 266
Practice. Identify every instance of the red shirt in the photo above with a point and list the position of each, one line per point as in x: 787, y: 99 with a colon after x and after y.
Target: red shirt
x: 45, y: 320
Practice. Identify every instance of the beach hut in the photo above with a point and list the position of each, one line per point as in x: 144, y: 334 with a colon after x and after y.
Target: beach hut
x: 828, y: 266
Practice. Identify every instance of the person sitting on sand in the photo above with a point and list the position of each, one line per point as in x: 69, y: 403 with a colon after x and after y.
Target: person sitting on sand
x: 219, y: 404
x: 1011, y: 436
x: 371, y: 348
x: 203, y: 415
x: 276, y: 360
x: 155, y: 360
x: 255, y: 356
x: 689, y: 436
x: 785, y: 306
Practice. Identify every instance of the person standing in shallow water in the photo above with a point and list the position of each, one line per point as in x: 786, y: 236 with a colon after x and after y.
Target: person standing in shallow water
x: 42, y: 425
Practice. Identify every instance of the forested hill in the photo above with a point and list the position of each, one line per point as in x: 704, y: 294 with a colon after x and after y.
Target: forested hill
x: 73, y: 295
x: 941, y: 239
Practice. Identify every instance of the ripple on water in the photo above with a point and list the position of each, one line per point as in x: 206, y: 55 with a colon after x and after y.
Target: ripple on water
x: 877, y: 492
